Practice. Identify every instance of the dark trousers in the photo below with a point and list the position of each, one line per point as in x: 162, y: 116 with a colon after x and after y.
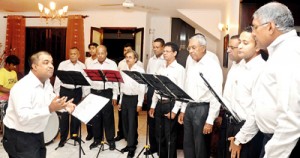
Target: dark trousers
x: 89, y: 128
x: 129, y: 118
x: 151, y: 121
x: 76, y: 94
x: 120, y: 124
x: 294, y: 154
x: 23, y: 145
x: 166, y: 130
x: 104, y: 118
x: 251, y: 149
x: 195, y: 143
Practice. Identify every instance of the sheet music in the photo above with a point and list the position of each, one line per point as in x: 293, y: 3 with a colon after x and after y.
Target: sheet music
x: 89, y: 107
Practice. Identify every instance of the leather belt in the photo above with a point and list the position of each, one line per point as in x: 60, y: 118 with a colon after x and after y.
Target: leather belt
x: 96, y: 91
x: 164, y: 101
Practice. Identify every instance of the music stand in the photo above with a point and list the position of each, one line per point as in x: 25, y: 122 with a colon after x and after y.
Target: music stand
x: 165, y: 88
x: 77, y: 79
x: 104, y: 76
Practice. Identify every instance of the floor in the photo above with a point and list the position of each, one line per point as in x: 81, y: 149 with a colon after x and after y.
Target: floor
x: 71, y: 151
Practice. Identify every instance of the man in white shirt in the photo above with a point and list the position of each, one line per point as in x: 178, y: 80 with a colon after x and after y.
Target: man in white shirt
x: 131, y: 102
x: 70, y: 91
x: 277, y: 90
x: 154, y: 64
x: 232, y: 50
x: 166, y: 121
x: 93, y: 51
x: 241, y: 97
x: 122, y: 63
x: 110, y: 90
x: 30, y: 105
x: 198, y: 115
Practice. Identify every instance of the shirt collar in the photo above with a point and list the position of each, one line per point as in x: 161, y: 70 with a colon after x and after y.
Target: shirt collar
x: 253, y: 62
x: 280, y: 39
x: 171, y: 65
x: 36, y: 82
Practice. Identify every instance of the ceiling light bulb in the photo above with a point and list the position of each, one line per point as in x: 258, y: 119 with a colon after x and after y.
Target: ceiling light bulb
x: 41, y: 7
x: 52, y: 5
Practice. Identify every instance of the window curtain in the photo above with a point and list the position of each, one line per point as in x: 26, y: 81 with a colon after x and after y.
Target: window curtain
x: 75, y: 35
x: 15, y: 39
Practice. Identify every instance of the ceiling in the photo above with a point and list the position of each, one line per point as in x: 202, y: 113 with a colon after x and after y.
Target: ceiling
x: 156, y: 6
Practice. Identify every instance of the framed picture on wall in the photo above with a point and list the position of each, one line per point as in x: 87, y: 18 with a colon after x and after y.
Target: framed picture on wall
x: 225, y: 54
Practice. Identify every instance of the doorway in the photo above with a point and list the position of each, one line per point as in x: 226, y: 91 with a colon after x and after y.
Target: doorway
x: 114, y: 38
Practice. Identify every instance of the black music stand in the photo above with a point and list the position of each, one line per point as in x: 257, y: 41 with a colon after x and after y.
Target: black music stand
x: 77, y: 79
x: 165, y: 88
x: 104, y: 76
x: 137, y: 76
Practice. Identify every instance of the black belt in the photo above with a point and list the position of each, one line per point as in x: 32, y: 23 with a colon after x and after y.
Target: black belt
x: 164, y: 101
x: 194, y: 104
x: 125, y: 95
x: 96, y: 91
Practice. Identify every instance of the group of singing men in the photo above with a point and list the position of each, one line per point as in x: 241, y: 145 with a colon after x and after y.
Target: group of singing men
x: 263, y: 93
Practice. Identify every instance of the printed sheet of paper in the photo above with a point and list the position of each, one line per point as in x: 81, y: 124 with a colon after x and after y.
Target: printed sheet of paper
x: 89, y: 107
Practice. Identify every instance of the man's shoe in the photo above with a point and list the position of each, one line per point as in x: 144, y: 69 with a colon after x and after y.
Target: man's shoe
x: 124, y: 150
x: 88, y: 137
x: 112, y: 146
x: 94, y: 144
x: 130, y: 154
x: 118, y: 138
x: 61, y: 144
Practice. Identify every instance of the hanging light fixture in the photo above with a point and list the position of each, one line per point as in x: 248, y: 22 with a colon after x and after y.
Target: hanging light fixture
x: 52, y: 12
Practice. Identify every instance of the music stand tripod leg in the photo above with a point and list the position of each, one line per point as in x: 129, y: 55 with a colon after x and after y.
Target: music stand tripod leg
x: 147, y: 146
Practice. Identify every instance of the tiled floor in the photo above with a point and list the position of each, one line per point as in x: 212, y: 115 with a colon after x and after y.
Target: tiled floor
x: 71, y: 151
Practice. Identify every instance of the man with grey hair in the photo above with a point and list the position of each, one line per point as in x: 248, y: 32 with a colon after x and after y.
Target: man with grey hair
x: 277, y: 92
x: 198, y: 115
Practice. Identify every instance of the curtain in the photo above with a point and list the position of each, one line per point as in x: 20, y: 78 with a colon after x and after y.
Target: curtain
x: 75, y: 35
x: 15, y: 39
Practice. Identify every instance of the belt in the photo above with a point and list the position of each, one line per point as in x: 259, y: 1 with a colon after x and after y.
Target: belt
x: 164, y: 101
x: 129, y: 95
x: 194, y: 104
x: 98, y: 91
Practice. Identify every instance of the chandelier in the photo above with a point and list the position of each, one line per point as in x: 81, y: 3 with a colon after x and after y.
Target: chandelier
x: 52, y: 12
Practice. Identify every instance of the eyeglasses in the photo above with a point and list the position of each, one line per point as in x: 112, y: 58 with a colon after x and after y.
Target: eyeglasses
x: 253, y: 27
x: 231, y: 47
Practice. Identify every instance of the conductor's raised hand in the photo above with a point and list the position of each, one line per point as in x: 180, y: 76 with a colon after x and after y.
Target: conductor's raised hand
x: 57, y: 104
x: 180, y: 118
x: 70, y: 107
x: 151, y: 112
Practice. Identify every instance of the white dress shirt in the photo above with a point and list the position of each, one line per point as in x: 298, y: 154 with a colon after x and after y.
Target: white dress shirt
x: 131, y: 87
x: 122, y: 64
x: 195, y: 87
x: 176, y: 73
x: 106, y: 65
x: 278, y: 96
x: 28, y: 105
x: 242, y: 101
x: 67, y: 65
x: 154, y: 64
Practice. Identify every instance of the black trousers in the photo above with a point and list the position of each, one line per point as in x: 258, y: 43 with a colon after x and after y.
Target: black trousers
x: 251, y: 149
x: 76, y: 94
x: 23, y: 145
x: 166, y: 129
x: 294, y: 154
x: 120, y: 124
x: 195, y: 143
x: 151, y: 121
x: 104, y: 118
